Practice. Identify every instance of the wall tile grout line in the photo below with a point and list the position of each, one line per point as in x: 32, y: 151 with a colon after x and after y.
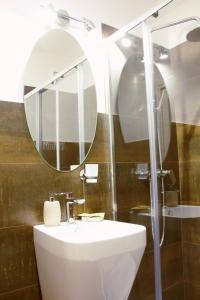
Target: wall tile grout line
x: 20, y: 289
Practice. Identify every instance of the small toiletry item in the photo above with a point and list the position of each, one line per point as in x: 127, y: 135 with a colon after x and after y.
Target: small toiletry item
x: 52, y: 212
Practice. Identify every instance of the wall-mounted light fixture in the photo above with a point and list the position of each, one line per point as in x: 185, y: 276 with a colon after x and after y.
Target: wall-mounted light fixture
x: 62, y: 17
x: 163, y: 54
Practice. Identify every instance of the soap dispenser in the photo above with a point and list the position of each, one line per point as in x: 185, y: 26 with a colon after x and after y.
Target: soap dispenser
x: 52, y: 212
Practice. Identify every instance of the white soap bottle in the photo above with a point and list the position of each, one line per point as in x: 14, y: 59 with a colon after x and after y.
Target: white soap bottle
x: 52, y: 212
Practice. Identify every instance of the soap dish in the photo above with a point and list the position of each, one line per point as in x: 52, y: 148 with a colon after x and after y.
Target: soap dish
x: 96, y: 217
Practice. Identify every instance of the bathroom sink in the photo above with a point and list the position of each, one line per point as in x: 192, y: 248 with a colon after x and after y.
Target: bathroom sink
x: 88, y: 260
x: 90, y: 240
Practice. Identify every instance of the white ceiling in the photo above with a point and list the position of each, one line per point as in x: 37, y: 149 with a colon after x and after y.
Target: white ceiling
x: 116, y: 13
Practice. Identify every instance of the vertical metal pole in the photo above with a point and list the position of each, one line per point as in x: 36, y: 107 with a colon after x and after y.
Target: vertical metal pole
x: 148, y: 60
x: 38, y: 121
x: 57, y: 127
x: 81, y: 121
x: 109, y: 95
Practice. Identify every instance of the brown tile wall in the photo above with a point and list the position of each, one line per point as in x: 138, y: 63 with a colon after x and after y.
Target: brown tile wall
x: 189, y: 166
x: 189, y: 163
x: 69, y: 154
x: 25, y: 182
x: 182, y: 81
x: 133, y: 198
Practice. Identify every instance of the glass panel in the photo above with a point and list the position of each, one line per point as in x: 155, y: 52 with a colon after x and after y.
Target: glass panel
x: 68, y: 120
x: 90, y: 106
x: 30, y: 109
x: 48, y: 124
x: 177, y: 57
x: 131, y: 139
x: 77, y: 115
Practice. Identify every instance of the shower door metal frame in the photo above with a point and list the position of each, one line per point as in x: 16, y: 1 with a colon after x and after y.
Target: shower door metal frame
x: 148, y: 63
x: 151, y: 104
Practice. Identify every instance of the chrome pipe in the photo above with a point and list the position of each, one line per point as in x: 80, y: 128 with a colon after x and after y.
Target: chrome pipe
x: 89, y: 25
x: 194, y: 18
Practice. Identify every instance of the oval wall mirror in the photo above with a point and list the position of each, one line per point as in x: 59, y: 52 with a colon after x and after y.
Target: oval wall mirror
x: 60, y: 100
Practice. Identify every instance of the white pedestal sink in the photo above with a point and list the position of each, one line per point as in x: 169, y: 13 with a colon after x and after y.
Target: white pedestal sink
x: 88, y: 260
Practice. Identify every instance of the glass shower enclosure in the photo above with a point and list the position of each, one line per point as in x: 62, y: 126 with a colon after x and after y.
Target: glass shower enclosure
x: 154, y: 71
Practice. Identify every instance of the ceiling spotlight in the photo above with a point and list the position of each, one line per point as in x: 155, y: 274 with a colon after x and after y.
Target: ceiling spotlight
x: 163, y: 54
x: 142, y: 59
x: 126, y: 42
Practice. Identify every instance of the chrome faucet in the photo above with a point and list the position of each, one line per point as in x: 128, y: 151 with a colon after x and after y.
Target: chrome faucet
x: 70, y: 206
x: 71, y: 201
x: 70, y: 212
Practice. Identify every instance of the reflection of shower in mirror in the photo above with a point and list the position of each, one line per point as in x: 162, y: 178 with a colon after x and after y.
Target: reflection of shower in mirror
x: 132, y: 109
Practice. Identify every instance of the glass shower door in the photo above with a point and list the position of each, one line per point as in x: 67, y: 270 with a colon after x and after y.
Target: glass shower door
x: 175, y: 37
x: 131, y: 149
x: 155, y: 73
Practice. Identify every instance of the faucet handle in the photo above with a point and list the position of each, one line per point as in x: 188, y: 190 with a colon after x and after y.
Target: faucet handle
x: 70, y: 208
x: 70, y: 212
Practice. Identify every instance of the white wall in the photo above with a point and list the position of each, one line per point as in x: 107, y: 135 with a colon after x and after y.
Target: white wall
x: 19, y: 36
x: 55, y: 51
x: 42, y: 66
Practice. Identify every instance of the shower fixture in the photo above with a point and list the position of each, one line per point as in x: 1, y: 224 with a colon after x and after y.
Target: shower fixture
x: 193, y: 18
x: 193, y: 35
x: 63, y: 18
